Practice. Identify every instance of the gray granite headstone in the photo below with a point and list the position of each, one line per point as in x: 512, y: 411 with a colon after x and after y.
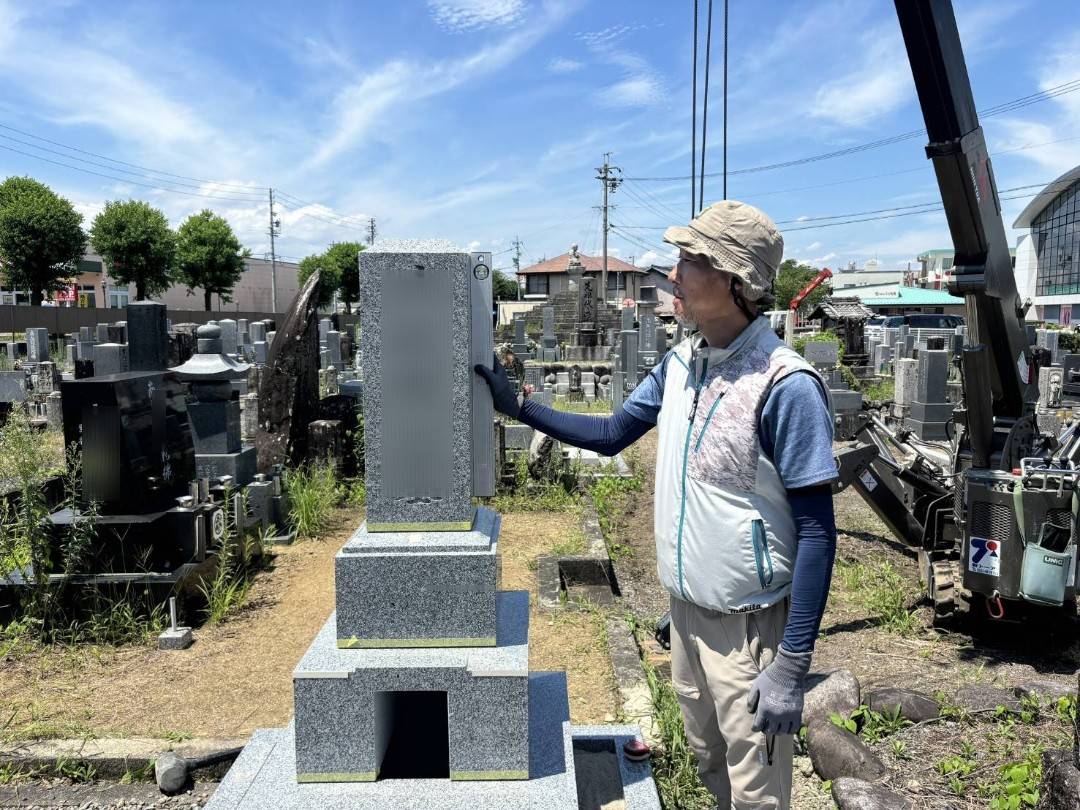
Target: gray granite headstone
x: 229, y: 336
x: 12, y: 386
x: 418, y: 328
x: 260, y: 350
x: 933, y: 374
x: 333, y: 348
x: 102, y: 333
x: 148, y: 336
x: 110, y: 358
x: 822, y: 354
x: 37, y: 345
x: 257, y: 331
x: 907, y: 372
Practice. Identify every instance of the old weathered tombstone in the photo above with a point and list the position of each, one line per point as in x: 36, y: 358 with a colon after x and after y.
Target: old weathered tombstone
x: 37, y: 345
x: 229, y: 335
x: 289, y: 392
x: 12, y: 386
x: 333, y: 348
x: 930, y: 410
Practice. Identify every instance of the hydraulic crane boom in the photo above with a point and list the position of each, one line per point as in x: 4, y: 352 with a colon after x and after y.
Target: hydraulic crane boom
x: 815, y: 282
x: 983, y: 271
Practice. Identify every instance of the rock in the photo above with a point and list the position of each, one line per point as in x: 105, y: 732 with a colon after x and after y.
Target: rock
x: 545, y: 460
x: 827, y: 692
x: 855, y: 794
x: 978, y: 697
x: 1046, y: 690
x: 171, y: 774
x: 1060, y: 786
x: 837, y: 752
x: 914, y: 706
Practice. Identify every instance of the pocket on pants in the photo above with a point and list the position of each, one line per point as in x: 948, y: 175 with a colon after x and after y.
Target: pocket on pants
x: 764, y: 629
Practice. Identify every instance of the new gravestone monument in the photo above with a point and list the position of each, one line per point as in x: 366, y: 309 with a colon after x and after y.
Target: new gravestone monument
x: 417, y: 693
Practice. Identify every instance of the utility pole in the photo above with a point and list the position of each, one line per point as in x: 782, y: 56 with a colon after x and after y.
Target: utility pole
x: 275, y: 230
x: 516, y: 244
x: 610, y: 181
x: 371, y: 231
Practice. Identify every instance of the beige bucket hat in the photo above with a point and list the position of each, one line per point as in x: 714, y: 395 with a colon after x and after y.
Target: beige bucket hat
x: 737, y: 238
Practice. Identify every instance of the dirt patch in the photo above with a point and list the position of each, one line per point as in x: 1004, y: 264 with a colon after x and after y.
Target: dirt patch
x: 236, y: 677
x: 575, y: 641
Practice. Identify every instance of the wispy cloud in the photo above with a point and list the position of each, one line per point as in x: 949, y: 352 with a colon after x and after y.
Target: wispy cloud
x: 360, y: 106
x: 641, y: 85
x: 878, y: 83
x: 563, y: 65
x: 475, y: 15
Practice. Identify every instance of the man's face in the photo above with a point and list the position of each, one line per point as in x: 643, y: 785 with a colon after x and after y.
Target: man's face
x: 702, y: 293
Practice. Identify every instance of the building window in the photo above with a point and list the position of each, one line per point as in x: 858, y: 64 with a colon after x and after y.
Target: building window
x: 1056, y: 235
x: 536, y: 284
x: 118, y: 298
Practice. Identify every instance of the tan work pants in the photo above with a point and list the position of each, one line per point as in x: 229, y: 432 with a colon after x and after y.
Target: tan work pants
x: 715, y: 657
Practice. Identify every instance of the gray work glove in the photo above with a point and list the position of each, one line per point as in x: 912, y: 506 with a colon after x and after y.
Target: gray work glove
x: 776, y: 695
x: 502, y: 392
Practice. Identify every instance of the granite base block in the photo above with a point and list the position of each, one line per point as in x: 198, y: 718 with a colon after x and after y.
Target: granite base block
x: 927, y: 431
x: 241, y: 466
x: 930, y: 411
x: 215, y: 426
x: 418, y: 588
x: 264, y: 776
x: 341, y: 700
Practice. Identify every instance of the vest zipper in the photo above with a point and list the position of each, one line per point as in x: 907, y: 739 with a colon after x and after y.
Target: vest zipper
x: 762, y: 554
x: 685, y: 462
x: 708, y: 418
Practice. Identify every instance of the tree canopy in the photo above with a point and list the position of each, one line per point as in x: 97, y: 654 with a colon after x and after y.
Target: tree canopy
x: 209, y: 255
x: 503, y: 287
x: 41, y: 237
x: 341, y: 258
x: 137, y: 244
x: 790, y: 279
x: 328, y: 281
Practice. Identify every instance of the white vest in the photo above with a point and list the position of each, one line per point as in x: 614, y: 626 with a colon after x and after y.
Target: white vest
x: 725, y: 536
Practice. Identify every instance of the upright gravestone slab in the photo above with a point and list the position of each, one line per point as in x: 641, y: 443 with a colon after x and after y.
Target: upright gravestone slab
x: 333, y: 349
x: 12, y: 386
x: 822, y: 354
x: 257, y: 331
x: 229, y: 335
x: 421, y: 340
x: 54, y: 411
x: 101, y: 333
x: 148, y: 336
x: 260, y: 351
x: 116, y: 333
x: 46, y: 379
x: 325, y: 325
x: 37, y: 345
x: 930, y: 409
x: 907, y: 371
x: 110, y: 358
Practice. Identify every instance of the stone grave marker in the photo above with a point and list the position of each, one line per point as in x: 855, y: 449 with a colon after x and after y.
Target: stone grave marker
x: 148, y: 336
x: 110, y: 358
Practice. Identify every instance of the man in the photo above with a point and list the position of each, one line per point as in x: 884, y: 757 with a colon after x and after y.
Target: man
x: 744, y: 525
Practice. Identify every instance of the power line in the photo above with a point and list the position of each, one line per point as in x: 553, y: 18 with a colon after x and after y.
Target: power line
x: 260, y: 189
x: 1008, y: 106
x: 124, y: 179
x: 705, y: 107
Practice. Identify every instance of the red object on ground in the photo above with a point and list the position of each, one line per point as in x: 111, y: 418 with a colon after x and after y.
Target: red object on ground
x: 637, y: 751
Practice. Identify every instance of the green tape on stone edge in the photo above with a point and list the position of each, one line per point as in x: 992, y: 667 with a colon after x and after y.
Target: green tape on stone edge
x: 487, y: 776
x: 369, y: 776
x: 402, y: 643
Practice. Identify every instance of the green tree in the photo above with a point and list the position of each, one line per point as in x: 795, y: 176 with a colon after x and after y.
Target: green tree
x: 503, y: 287
x: 341, y: 258
x: 209, y: 255
x: 790, y: 279
x: 41, y: 237
x: 329, y: 281
x: 137, y: 245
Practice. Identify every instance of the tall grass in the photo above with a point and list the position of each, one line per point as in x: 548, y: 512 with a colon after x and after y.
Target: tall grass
x: 313, y: 493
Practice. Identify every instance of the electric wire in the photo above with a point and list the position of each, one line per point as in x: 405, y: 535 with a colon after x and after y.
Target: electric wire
x: 693, y: 120
x: 705, y: 107
x: 1034, y: 98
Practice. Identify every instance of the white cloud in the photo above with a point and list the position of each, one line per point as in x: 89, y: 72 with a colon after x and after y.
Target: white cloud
x: 878, y: 83
x: 654, y: 257
x: 476, y: 15
x: 637, y: 91
x: 561, y: 64
x: 359, y: 107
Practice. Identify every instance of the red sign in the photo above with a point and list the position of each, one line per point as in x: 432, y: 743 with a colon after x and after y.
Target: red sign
x: 67, y: 295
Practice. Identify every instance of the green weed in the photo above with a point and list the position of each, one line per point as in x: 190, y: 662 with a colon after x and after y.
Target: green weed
x: 74, y: 771
x: 1018, y: 784
x: 313, y: 493
x: 612, y: 497
x: 882, y: 591
x: 872, y: 726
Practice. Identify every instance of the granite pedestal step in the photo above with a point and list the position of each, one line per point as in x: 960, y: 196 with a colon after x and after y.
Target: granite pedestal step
x: 416, y: 589
x: 348, y: 701
x: 264, y: 776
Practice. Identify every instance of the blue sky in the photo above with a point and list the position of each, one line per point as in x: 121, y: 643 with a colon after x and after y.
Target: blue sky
x: 479, y: 120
